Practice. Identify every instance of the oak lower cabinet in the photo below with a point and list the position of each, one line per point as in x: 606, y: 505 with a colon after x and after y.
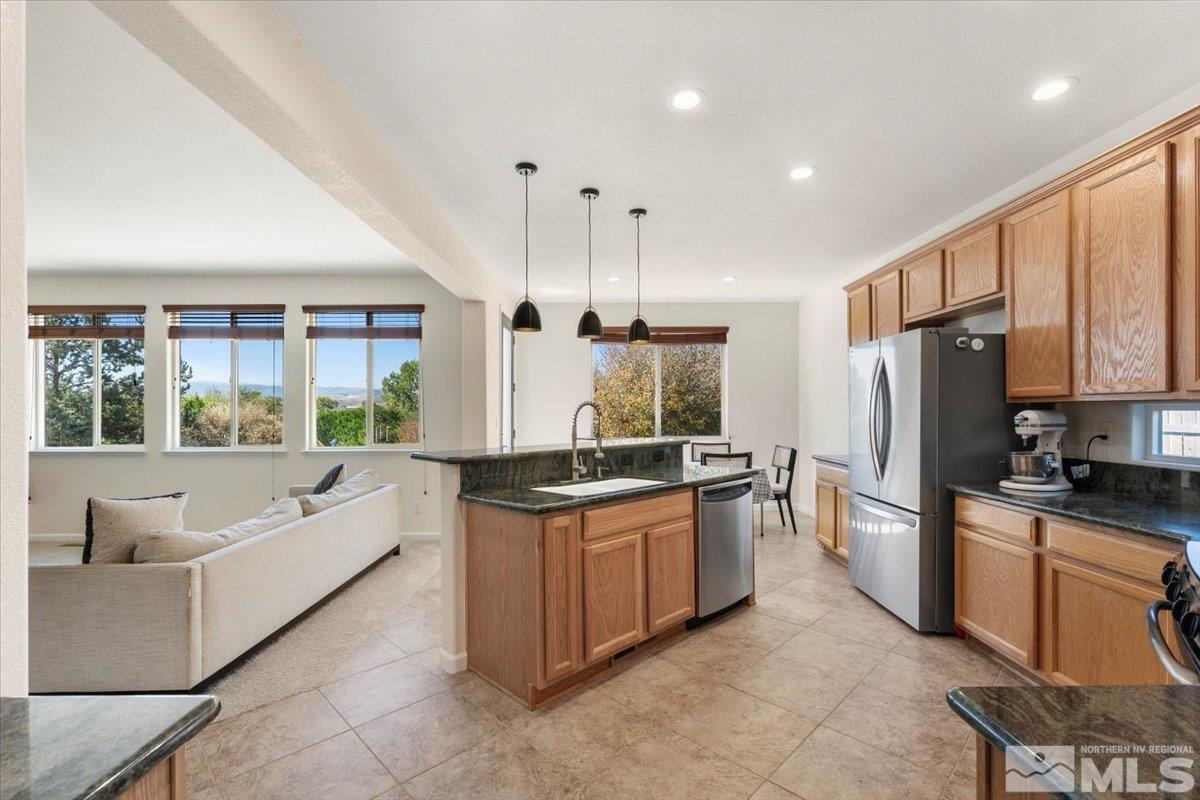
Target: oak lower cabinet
x: 670, y: 575
x: 827, y: 517
x: 561, y: 597
x: 996, y: 593
x: 842, y: 538
x: 614, y: 595
x: 831, y: 503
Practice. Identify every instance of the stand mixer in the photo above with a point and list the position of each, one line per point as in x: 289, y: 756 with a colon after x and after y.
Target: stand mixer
x: 1039, y: 470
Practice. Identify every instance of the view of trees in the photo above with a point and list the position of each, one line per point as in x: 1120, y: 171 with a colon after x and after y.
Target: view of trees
x: 204, y: 417
x: 396, y: 410
x: 623, y: 385
x: 68, y: 396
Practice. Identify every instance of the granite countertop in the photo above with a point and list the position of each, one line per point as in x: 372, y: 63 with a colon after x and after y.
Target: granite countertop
x: 91, y: 747
x: 529, y: 501
x: 501, y: 453
x: 1173, y: 523
x: 843, y: 461
x: 1085, y: 717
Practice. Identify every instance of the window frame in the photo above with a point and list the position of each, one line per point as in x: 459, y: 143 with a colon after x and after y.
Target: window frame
x: 37, y: 433
x: 1147, y: 432
x: 173, y: 419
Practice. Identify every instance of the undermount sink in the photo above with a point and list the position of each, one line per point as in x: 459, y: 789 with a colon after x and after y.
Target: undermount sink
x: 597, y: 487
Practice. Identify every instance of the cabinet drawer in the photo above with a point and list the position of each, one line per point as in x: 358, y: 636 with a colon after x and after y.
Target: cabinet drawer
x: 839, y: 476
x: 638, y: 514
x: 1016, y: 525
x: 1135, y: 559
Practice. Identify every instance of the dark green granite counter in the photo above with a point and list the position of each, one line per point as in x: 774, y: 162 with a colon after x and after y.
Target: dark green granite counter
x: 91, y: 747
x: 1162, y: 520
x: 841, y: 461
x: 674, y: 476
x: 534, y: 450
x: 1090, y: 719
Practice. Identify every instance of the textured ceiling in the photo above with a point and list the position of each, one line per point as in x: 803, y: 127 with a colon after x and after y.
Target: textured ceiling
x: 132, y: 169
x: 911, y: 111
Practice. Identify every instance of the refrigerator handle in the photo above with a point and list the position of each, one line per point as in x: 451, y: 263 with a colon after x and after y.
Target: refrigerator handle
x: 884, y: 444
x: 908, y: 522
x: 872, y: 423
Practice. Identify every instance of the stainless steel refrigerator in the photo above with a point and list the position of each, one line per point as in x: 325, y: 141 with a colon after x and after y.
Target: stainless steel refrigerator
x: 926, y: 408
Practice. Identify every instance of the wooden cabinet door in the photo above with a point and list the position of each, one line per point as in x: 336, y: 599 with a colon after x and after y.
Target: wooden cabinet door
x: 886, y: 296
x: 973, y: 266
x: 842, y: 532
x: 670, y: 575
x: 996, y: 593
x: 1037, y: 274
x: 614, y: 595
x: 1187, y: 257
x: 1121, y: 221
x: 561, y: 616
x: 1093, y: 627
x: 923, y: 285
x: 826, y: 505
x: 858, y: 314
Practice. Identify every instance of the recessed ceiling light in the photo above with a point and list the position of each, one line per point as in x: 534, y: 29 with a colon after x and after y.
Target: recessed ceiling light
x: 613, y: 279
x: 1054, y: 88
x: 730, y: 278
x: 687, y: 99
x: 802, y: 173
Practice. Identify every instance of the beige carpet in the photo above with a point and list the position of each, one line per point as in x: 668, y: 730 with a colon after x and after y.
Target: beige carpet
x: 304, y: 655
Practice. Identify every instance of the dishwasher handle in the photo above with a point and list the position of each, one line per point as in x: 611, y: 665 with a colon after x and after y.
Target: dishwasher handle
x: 724, y: 494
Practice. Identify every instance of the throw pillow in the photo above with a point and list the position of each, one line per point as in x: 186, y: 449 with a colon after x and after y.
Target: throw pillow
x: 174, y: 546
x: 114, y: 524
x: 360, y: 484
x: 329, y: 481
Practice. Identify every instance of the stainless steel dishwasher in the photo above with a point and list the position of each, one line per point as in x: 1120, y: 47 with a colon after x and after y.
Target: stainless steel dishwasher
x: 725, y: 553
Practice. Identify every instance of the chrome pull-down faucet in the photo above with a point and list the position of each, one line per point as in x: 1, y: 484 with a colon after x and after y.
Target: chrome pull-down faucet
x: 578, y: 470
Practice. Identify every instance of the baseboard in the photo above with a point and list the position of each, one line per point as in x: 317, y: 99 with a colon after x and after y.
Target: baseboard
x: 418, y: 536
x: 805, y: 510
x: 452, y: 664
x: 56, y: 538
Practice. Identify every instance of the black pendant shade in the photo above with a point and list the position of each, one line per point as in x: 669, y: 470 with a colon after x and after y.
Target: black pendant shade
x: 639, y: 331
x: 590, y: 326
x: 526, y: 318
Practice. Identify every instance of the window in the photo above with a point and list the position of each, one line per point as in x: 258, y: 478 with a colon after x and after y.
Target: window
x: 1168, y: 433
x: 365, y: 376
x: 228, y: 375
x: 91, y: 366
x: 673, y: 386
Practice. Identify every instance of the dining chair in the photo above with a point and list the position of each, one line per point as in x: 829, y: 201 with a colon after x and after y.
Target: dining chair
x: 699, y: 448
x: 743, y: 460
x: 784, y: 460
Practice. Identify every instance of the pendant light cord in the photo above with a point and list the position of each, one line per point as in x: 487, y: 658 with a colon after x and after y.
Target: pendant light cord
x: 526, y: 173
x: 638, y: 220
x: 589, y: 199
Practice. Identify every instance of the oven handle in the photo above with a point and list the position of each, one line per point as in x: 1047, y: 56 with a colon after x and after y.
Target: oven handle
x: 1178, y: 672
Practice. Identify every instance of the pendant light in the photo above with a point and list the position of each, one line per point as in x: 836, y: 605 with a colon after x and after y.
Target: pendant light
x: 639, y: 331
x: 526, y: 318
x: 589, y: 323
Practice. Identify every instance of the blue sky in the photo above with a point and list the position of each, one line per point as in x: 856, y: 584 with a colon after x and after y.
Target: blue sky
x: 340, y: 362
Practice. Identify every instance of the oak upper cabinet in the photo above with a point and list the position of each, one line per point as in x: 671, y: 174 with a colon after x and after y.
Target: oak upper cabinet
x: 1187, y: 257
x: 842, y: 534
x: 973, y: 266
x: 1121, y: 249
x: 614, y: 585
x: 858, y: 314
x: 886, y: 305
x: 923, y: 285
x: 996, y: 591
x: 826, y: 507
x: 670, y: 575
x: 1036, y: 243
x: 562, y: 643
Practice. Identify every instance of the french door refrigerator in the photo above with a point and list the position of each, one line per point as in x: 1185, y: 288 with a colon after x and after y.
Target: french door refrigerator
x: 926, y: 408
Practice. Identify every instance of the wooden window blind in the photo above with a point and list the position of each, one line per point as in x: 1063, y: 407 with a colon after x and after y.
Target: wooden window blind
x: 364, y: 322
x: 689, y: 334
x: 87, y: 322
x: 225, y: 321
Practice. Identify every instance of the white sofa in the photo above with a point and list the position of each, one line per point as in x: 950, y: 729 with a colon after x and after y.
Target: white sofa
x: 156, y: 627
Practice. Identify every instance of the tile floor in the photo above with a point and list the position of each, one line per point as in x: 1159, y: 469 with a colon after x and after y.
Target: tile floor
x: 815, y: 693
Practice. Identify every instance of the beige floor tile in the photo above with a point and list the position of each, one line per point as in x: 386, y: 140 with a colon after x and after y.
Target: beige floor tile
x: 374, y: 652
x: 500, y: 705
x: 395, y: 793
x: 867, y: 624
x: 658, y: 689
x: 747, y: 629
x: 426, y: 733
x: 826, y: 590
x: 431, y: 659
x: 961, y: 785
x: 948, y: 653
x: 670, y: 767
x: 209, y: 793
x: 789, y: 608
x: 264, y: 734
x: 415, y: 635
x: 199, y: 776
x: 505, y: 767
x: 710, y: 655
x: 378, y: 691
x: 769, y: 791
x: 811, y: 692
x: 922, y: 680
x: 746, y: 730
x: 832, y: 766
x: 340, y: 767
x: 927, y: 733
x: 585, y: 732
x: 831, y: 653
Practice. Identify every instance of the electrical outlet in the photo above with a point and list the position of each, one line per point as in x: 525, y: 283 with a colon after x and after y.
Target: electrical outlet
x: 1109, y: 429
x: 416, y: 506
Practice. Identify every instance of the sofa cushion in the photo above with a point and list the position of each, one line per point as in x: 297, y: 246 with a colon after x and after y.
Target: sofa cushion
x: 171, y: 546
x: 360, y: 484
x: 329, y: 480
x: 115, y: 524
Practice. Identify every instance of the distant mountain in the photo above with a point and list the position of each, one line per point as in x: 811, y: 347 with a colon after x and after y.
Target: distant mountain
x: 344, y: 395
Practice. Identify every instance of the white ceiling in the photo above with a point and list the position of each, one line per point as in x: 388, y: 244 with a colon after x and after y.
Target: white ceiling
x: 132, y: 169
x: 911, y: 111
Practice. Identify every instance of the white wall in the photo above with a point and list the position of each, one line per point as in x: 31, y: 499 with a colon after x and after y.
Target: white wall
x: 14, y: 618
x: 231, y: 486
x: 554, y: 372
